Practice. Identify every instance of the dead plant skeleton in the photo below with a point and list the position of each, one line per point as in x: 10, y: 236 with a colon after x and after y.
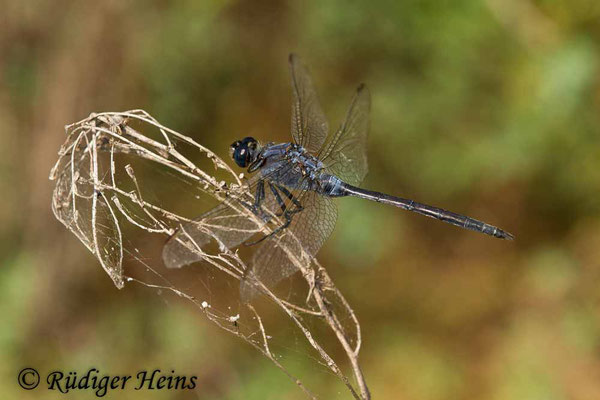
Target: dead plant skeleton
x: 103, y: 197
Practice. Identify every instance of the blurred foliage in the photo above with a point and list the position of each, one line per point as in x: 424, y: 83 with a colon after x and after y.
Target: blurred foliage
x: 488, y: 108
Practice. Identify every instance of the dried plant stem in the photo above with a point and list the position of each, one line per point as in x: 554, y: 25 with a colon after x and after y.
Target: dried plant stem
x: 90, y: 199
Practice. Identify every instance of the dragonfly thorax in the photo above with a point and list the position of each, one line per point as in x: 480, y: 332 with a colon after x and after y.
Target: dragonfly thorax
x: 307, y: 164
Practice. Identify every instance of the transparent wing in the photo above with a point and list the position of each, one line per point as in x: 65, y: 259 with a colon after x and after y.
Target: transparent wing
x: 309, y: 125
x: 345, y: 155
x: 230, y: 223
x: 309, y: 230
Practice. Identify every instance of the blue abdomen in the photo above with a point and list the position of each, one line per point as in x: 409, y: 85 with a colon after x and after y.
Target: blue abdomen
x: 331, y: 186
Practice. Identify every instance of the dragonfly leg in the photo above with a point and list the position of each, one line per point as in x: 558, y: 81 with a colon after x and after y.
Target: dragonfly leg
x: 259, y: 196
x: 282, y: 205
x: 278, y: 198
x: 288, y: 220
x: 285, y: 211
x: 292, y: 198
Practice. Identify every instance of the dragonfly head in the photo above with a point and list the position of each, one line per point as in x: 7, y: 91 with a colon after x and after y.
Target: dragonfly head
x: 244, y: 152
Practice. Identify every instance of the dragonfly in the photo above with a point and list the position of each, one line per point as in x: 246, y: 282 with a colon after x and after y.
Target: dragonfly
x: 297, y: 182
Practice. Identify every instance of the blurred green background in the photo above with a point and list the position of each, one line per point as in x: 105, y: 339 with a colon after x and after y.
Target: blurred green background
x: 487, y: 108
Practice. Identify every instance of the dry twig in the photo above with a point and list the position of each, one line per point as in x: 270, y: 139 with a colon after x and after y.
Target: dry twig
x: 99, y: 197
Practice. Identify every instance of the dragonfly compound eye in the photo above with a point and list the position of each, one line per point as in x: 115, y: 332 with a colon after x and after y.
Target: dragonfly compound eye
x: 233, y: 146
x: 244, y: 151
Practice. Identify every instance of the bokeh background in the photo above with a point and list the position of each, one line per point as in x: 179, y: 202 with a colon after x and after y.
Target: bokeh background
x: 488, y: 108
